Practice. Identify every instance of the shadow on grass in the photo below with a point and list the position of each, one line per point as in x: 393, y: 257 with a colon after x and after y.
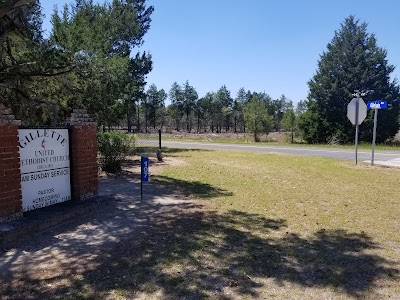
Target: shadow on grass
x: 145, y: 149
x: 181, y: 250
x: 190, y: 188
x: 179, y: 150
x: 200, y: 255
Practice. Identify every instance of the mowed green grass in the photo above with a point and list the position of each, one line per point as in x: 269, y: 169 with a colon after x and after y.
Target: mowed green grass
x: 261, y: 226
x: 290, y: 227
x: 309, y: 193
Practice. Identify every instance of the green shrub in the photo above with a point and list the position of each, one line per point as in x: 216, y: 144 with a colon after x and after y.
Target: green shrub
x: 114, y: 147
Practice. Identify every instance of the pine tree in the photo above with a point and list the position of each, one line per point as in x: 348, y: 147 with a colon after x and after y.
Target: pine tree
x: 155, y: 102
x: 256, y: 117
x: 28, y: 65
x: 238, y: 104
x: 190, y: 98
x: 101, y: 40
x: 289, y: 120
x: 352, y: 61
x: 177, y: 102
x: 223, y: 103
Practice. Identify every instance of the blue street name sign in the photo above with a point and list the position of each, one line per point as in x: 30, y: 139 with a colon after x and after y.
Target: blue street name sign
x: 377, y: 104
x: 145, y: 168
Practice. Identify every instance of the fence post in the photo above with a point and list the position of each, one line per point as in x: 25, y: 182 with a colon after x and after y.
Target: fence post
x: 159, y: 138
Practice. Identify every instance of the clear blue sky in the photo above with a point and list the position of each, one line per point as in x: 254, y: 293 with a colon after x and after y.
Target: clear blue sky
x: 261, y: 45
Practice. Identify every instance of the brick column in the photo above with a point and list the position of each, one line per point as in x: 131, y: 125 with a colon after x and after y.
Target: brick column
x: 84, y: 176
x: 10, y: 174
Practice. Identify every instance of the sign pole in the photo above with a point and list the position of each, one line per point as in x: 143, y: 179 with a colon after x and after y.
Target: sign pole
x: 357, y: 112
x: 377, y: 104
x: 374, y: 136
x: 144, y: 173
x: 141, y: 184
x: 141, y: 178
x: 356, y: 137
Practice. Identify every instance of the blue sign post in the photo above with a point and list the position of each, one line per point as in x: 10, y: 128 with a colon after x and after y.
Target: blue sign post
x: 144, y: 168
x: 144, y: 173
x: 377, y: 104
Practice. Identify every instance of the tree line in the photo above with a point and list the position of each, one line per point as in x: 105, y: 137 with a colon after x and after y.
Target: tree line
x: 90, y: 60
x: 216, y: 112
x: 353, y: 61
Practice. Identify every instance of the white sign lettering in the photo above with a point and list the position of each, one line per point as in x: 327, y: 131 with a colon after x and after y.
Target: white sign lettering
x: 44, y: 163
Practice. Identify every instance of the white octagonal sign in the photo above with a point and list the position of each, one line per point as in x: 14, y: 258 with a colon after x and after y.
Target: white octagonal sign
x: 352, y: 110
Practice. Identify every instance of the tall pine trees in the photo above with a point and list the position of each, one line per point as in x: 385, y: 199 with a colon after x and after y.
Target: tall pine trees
x: 87, y: 62
x: 352, y: 61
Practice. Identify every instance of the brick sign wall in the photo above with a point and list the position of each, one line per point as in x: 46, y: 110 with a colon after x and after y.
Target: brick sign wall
x: 82, y: 160
x: 10, y: 188
x: 83, y: 155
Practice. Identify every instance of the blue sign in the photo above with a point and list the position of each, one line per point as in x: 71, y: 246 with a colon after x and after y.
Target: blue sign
x: 377, y: 104
x: 145, y: 168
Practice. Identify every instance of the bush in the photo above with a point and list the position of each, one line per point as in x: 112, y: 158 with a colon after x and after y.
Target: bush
x: 114, y: 147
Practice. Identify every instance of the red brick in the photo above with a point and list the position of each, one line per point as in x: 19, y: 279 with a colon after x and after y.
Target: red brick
x: 5, y: 210
x: 6, y: 200
x: 11, y: 173
x: 13, y: 185
x: 84, y: 160
x: 15, y: 207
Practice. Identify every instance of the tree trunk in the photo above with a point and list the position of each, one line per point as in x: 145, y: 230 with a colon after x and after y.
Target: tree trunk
x: 154, y: 119
x: 129, y: 118
x: 138, y: 118
x: 198, y: 123
x: 292, y: 135
x: 54, y: 114
x: 145, y: 117
x: 255, y: 130
x: 187, y: 121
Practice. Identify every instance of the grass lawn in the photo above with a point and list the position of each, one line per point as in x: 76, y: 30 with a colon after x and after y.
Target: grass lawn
x: 233, y: 225
x: 311, y: 193
x: 285, y: 227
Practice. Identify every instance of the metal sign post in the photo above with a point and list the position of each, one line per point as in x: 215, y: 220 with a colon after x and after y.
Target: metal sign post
x: 357, y: 126
x: 374, y: 136
x: 378, y: 104
x: 356, y: 113
x: 144, y: 173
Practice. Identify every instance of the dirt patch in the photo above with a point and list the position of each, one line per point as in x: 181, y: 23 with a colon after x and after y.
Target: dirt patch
x: 365, y: 166
x: 76, y: 259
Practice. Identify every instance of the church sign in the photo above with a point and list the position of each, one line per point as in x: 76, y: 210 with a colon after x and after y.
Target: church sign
x: 45, y: 167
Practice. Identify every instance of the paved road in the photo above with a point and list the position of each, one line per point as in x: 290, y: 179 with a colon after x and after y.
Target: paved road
x: 391, y: 158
